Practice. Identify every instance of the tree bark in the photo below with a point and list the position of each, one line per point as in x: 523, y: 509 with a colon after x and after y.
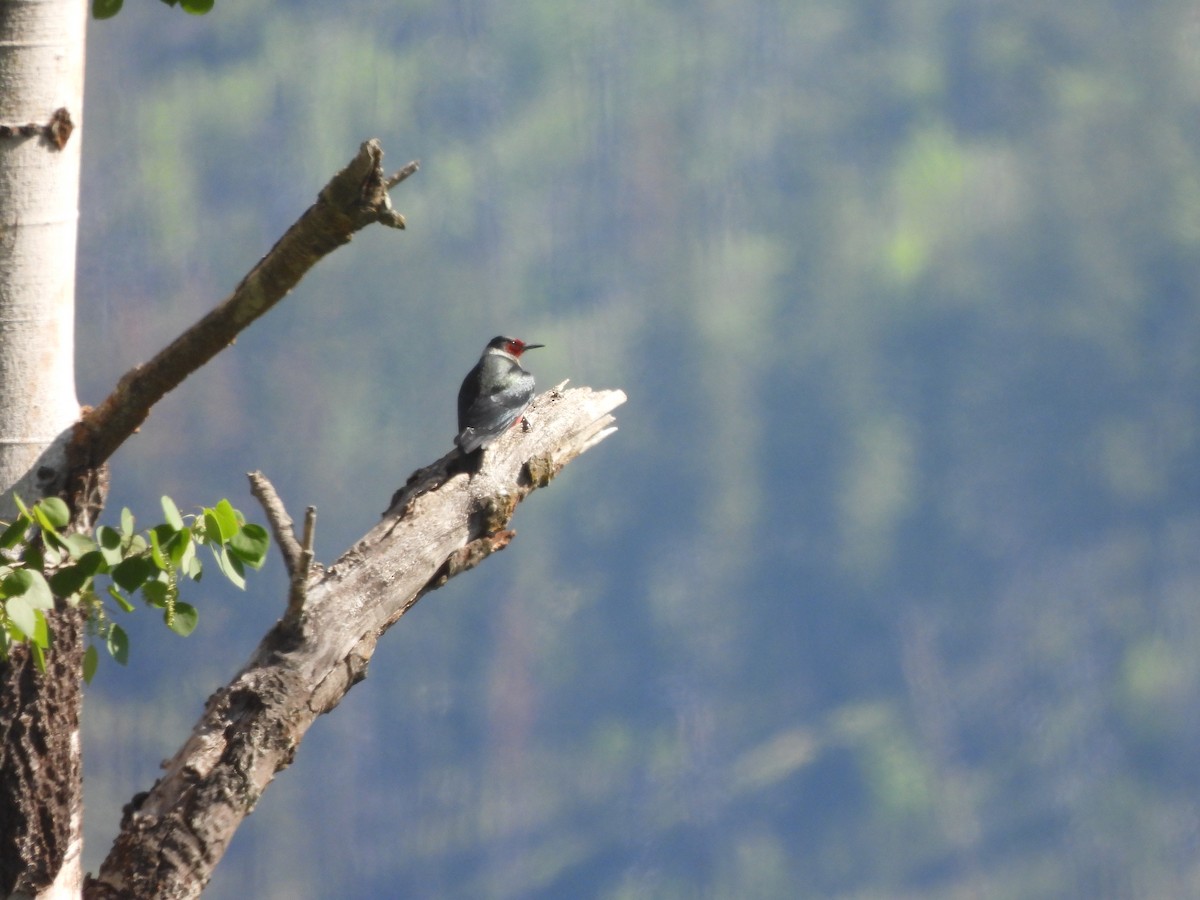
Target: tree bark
x: 444, y: 521
x: 41, y: 768
x: 41, y: 100
x: 41, y: 70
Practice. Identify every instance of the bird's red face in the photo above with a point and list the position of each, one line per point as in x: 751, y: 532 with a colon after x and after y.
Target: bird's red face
x: 517, y: 347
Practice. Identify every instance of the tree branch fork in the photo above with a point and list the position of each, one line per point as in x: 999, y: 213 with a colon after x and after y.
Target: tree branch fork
x: 442, y: 522
x: 446, y: 519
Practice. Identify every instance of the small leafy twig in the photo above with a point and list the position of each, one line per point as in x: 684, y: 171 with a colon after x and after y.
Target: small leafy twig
x: 42, y: 568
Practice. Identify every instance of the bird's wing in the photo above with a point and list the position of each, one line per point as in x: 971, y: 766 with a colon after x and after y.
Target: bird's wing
x: 495, y: 412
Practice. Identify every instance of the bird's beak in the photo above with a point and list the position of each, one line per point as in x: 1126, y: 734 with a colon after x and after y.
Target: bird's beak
x: 531, y: 347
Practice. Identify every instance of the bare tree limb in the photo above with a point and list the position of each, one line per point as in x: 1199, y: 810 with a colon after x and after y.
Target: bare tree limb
x: 354, y: 198
x: 403, y: 173
x: 444, y: 521
x: 298, y: 589
x: 297, y: 555
x: 277, y: 517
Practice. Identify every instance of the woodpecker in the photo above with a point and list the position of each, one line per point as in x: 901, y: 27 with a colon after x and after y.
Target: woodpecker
x: 494, y: 393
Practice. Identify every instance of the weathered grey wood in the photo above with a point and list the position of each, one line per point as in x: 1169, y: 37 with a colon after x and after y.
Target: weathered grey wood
x: 445, y: 520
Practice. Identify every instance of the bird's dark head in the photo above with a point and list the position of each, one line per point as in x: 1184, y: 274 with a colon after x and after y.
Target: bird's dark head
x: 512, y: 346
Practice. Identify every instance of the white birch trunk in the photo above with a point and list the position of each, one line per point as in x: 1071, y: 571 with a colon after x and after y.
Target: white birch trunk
x: 41, y: 70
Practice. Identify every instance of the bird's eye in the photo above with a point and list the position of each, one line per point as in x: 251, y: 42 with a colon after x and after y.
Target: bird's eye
x: 514, y: 347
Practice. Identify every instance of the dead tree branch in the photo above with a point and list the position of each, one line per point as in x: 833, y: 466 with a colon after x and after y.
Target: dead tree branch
x: 354, y: 198
x: 297, y: 554
x: 442, y: 522
x: 277, y: 517
x: 298, y: 588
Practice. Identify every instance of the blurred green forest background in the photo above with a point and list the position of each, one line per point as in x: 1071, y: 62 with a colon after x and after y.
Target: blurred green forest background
x: 889, y: 585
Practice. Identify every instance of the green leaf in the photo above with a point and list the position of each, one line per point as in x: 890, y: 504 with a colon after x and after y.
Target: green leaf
x: 227, y: 520
x: 110, y: 544
x: 39, y: 594
x: 250, y: 545
x: 108, y: 538
x: 79, y: 545
x: 39, y: 657
x: 196, y: 7
x: 173, y: 543
x: 41, y: 630
x: 120, y: 598
x: 44, y: 523
x: 33, y: 557
x: 106, y: 9
x: 68, y: 580
x: 156, y: 553
x: 21, y: 615
x: 157, y: 593
x: 16, y: 582
x: 53, y: 511
x: 171, y: 513
x: 126, y: 522
x: 130, y: 574
x: 184, y: 553
x: 118, y: 644
x: 91, y: 660
x: 182, y: 619
x: 31, y: 586
x: 92, y: 562
x: 232, y: 567
x: 23, y: 508
x: 14, y: 534
x: 212, y: 528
